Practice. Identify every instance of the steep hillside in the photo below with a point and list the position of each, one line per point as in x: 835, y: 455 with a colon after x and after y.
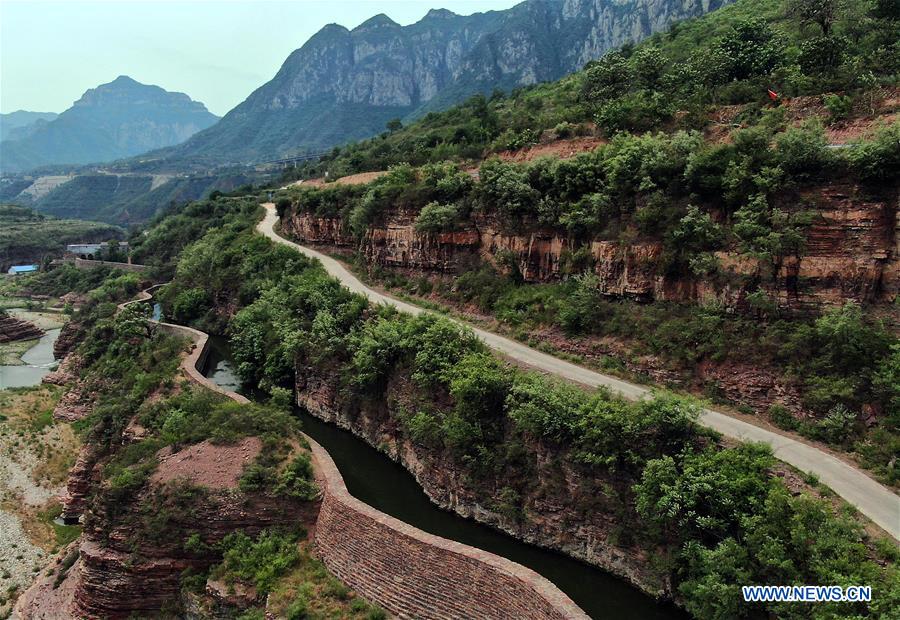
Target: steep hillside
x: 344, y: 85
x: 26, y: 236
x: 114, y: 120
x: 690, y: 77
x: 21, y: 123
x: 129, y: 198
x: 707, y: 237
x: 617, y: 484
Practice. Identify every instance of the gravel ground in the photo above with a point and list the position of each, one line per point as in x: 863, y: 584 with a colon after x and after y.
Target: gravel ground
x: 20, y: 561
x: 34, y: 454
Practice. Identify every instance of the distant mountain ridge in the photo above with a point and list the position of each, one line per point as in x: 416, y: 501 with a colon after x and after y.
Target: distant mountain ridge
x: 114, y: 120
x: 21, y: 123
x: 344, y: 85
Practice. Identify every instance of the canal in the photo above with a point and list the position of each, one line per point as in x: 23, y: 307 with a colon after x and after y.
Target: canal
x: 380, y: 482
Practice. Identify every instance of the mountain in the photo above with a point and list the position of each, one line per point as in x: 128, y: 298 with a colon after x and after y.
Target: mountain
x: 343, y: 85
x: 114, y: 120
x: 21, y: 122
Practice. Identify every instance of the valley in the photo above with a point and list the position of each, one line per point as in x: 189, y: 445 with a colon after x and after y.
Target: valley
x: 562, y: 310
x: 878, y: 503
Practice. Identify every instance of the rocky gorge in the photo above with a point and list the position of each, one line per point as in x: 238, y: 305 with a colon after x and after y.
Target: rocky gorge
x: 137, y: 552
x: 561, y: 509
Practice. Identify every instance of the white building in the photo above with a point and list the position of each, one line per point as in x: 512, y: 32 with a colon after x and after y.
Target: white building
x: 93, y: 251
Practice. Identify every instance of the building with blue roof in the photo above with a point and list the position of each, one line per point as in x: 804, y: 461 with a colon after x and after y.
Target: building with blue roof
x: 17, y: 270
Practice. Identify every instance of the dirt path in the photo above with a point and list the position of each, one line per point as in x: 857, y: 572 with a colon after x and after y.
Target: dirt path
x: 874, y: 500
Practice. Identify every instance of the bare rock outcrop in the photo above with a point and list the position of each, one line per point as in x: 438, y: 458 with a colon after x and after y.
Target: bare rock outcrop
x: 131, y: 563
x: 68, y: 337
x: 13, y: 328
x: 83, y: 478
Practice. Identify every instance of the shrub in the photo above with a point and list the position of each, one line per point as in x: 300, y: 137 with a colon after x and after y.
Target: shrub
x: 545, y: 409
x: 564, y: 130
x: 504, y: 187
x: 296, y: 480
x: 282, y: 206
x: 837, y: 426
x: 259, y: 562
x: 878, y: 160
x: 440, y: 345
x: 822, y: 54
x: 706, y: 494
x: 478, y: 384
x: 424, y: 428
x: 838, y: 106
x: 782, y: 418
x: 803, y: 151
x: 435, y: 218
x: 583, y: 311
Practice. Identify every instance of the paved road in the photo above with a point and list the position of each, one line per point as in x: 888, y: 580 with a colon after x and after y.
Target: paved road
x: 873, y: 499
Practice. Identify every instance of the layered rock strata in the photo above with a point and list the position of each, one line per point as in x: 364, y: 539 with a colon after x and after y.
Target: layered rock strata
x: 851, y: 253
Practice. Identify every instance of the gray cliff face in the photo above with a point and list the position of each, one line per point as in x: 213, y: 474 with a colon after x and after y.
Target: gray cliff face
x: 381, y: 63
x: 343, y: 85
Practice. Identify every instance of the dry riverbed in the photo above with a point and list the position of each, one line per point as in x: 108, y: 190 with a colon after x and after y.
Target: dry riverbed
x: 36, y: 453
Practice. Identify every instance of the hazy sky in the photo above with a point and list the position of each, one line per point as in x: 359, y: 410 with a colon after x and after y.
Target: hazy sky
x: 216, y: 51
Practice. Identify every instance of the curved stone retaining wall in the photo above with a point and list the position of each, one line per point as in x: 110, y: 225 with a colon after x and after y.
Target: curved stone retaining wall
x: 409, y: 572
x: 414, y: 574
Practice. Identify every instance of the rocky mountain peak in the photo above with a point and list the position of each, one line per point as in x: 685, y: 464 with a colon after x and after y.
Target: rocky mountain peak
x: 378, y: 21
x: 118, y: 119
x: 439, y: 14
x: 344, y: 85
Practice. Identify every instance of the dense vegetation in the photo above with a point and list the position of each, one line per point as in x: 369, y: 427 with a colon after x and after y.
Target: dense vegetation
x: 648, y: 463
x: 124, y: 359
x: 697, y: 197
x: 173, y: 228
x: 695, y: 160
x: 670, y: 80
x: 647, y: 187
x: 26, y: 236
x: 299, y: 586
x: 840, y: 362
x: 713, y: 516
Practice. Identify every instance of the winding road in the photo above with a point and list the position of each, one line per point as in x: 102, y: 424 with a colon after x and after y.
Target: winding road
x: 873, y: 499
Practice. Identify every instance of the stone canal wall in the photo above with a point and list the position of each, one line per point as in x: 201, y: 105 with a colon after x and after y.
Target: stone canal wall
x: 414, y: 574
x: 409, y: 572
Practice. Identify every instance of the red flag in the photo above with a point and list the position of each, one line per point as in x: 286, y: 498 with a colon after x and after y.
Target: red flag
x: 773, y: 95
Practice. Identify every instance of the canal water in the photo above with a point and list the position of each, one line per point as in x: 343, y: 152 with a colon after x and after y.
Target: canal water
x: 380, y: 482
x: 39, y: 361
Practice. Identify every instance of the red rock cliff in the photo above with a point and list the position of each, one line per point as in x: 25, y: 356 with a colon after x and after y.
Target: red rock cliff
x: 851, y: 253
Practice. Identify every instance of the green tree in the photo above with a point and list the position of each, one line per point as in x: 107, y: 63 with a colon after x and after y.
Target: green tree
x: 822, y: 54
x: 696, y: 232
x: 134, y: 322
x: 803, y: 151
x: 821, y: 12
x: 750, y: 49
x: 504, y: 187
x: 435, y: 217
x: 606, y: 78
